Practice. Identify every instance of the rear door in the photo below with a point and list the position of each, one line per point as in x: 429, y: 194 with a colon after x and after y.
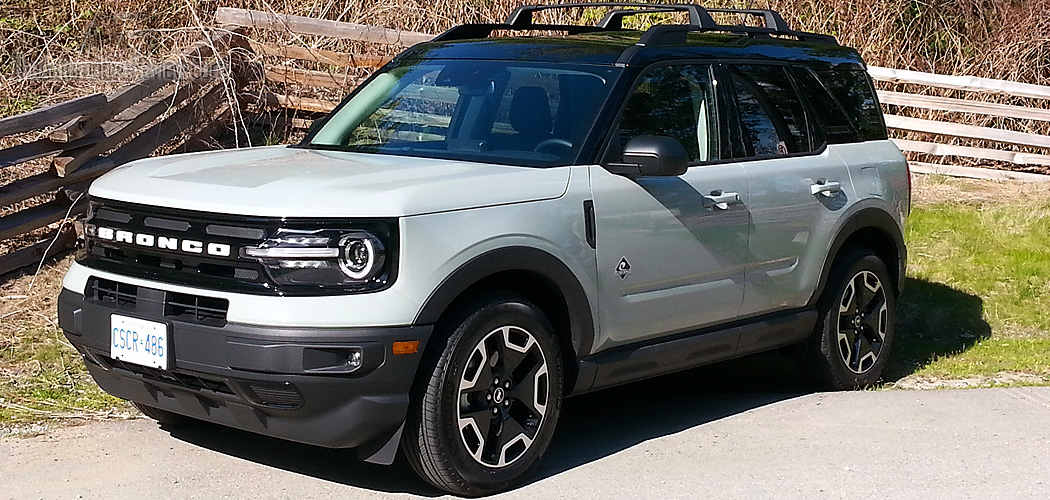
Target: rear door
x: 671, y: 251
x: 799, y: 188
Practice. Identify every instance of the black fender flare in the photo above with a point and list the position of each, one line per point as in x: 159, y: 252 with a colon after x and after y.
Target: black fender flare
x: 868, y: 215
x: 517, y: 258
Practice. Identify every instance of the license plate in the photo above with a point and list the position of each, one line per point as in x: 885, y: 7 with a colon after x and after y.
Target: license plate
x: 139, y: 341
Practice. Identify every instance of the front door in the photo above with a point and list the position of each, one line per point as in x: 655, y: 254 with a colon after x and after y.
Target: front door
x: 671, y: 251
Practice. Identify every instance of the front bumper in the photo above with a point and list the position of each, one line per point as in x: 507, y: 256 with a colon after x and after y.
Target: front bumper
x: 283, y: 382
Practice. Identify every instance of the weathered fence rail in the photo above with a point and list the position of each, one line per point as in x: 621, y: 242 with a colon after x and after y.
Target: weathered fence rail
x: 284, y: 73
x: 953, y: 134
x: 173, y: 106
x: 88, y: 136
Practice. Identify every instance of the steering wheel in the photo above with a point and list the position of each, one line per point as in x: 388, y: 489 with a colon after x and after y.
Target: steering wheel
x: 552, y: 145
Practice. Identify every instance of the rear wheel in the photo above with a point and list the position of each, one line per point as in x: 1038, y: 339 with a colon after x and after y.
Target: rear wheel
x: 855, y: 330
x: 489, y: 400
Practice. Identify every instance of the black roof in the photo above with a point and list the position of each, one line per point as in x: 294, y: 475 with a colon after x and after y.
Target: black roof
x: 622, y: 47
x: 608, y: 43
x: 604, y: 48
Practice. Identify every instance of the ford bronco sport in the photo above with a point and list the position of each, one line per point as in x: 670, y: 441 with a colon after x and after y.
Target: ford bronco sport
x: 489, y: 225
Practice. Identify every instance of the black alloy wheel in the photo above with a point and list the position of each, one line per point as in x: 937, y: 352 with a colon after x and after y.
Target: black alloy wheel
x: 855, y: 327
x: 503, y: 396
x: 488, y: 398
x: 863, y: 322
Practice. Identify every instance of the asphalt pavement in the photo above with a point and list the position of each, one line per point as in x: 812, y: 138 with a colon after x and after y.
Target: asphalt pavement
x: 691, y: 435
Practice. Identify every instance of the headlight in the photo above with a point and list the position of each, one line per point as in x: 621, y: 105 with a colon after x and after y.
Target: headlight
x: 347, y: 259
x: 362, y: 254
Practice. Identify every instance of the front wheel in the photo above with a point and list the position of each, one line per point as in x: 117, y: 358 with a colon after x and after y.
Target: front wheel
x: 488, y: 400
x: 855, y: 330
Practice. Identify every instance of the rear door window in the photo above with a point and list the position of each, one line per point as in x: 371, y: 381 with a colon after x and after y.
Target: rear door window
x: 772, y: 118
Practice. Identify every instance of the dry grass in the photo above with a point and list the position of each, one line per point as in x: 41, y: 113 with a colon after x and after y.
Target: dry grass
x: 100, y: 42
x: 27, y: 299
x: 42, y: 378
x: 936, y: 189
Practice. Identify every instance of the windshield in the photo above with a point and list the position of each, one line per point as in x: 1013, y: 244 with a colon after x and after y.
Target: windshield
x: 492, y: 111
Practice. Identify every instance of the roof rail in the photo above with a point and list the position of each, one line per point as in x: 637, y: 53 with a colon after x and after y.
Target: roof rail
x: 675, y: 34
x: 771, y: 18
x: 698, y: 16
x: 699, y: 20
x: 613, y: 20
x: 470, y: 31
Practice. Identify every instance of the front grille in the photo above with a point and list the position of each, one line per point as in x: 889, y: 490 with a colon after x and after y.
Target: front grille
x: 285, y: 396
x: 247, y: 233
x: 113, y: 294
x: 195, y: 308
x: 186, y: 381
x: 147, y: 301
x: 199, y: 249
x: 160, y: 256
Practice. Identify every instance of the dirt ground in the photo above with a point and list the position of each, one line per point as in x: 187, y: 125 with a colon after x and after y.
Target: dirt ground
x: 931, y: 189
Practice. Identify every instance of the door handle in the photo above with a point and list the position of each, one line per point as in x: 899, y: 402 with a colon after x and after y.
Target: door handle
x: 721, y: 200
x: 825, y: 188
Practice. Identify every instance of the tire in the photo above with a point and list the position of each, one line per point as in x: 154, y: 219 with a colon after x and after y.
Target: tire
x: 488, y: 398
x: 854, y: 333
x: 165, y: 417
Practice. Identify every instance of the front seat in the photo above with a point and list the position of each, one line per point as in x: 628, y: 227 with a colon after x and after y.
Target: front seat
x: 530, y: 117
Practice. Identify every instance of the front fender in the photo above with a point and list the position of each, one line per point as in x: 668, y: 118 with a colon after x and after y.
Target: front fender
x: 517, y: 258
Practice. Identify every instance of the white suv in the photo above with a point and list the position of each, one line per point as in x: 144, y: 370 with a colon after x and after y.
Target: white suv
x: 490, y: 225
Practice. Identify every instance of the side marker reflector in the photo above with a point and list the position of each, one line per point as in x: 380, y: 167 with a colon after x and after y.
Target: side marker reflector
x: 407, y: 347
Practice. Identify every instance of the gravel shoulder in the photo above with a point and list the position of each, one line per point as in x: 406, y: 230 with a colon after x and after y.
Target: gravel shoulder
x: 674, y: 441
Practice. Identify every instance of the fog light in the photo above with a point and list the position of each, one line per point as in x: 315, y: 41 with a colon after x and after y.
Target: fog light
x: 354, y: 361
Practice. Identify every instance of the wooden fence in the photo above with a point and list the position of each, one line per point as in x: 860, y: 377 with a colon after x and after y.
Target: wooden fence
x: 952, y: 135
x: 175, y: 106
x: 286, y: 69
x: 107, y: 130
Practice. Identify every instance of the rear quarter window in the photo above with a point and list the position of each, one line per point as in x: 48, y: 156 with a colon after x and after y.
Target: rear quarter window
x: 853, y: 90
x: 837, y: 128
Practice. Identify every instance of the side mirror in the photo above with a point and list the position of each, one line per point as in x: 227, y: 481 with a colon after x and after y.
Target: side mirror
x: 652, y: 155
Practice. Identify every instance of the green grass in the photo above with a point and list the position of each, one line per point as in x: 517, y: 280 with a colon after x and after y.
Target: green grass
x: 17, y: 105
x: 977, y: 301
x: 41, y: 376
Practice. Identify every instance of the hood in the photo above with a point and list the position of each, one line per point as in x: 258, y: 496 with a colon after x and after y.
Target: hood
x: 278, y: 181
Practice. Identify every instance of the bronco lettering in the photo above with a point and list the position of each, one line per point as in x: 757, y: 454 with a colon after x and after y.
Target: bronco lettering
x: 163, y: 242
